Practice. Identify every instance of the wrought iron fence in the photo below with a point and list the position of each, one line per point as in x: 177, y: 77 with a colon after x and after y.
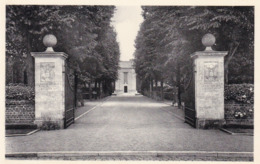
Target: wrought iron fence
x: 70, y: 96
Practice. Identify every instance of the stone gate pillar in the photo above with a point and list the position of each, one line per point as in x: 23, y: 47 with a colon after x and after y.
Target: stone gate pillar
x: 209, y: 85
x: 49, y: 84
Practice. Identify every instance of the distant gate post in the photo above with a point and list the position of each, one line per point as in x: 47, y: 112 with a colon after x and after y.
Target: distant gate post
x: 209, y: 85
x: 49, y: 84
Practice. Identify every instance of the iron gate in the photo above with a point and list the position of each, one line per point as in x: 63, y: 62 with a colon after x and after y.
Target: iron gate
x: 189, y: 99
x: 190, y: 116
x: 70, y: 96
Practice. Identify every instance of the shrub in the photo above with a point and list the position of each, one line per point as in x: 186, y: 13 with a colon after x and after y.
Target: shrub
x: 240, y: 93
x: 20, y: 92
x: 49, y: 124
x: 168, y: 95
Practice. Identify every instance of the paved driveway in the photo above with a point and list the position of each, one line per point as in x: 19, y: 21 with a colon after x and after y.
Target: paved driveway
x: 130, y: 123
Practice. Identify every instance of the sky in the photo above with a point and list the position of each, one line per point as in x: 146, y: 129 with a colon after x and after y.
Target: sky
x: 127, y: 21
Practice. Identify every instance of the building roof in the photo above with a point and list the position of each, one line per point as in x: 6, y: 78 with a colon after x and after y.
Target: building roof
x: 126, y: 64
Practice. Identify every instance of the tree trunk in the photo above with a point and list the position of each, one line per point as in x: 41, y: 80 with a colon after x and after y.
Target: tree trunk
x: 30, y: 63
x: 75, y: 89
x: 9, y: 70
x: 25, y: 77
x: 12, y: 74
x: 150, y: 87
x: 90, y: 90
x: 95, y: 84
x: 152, y: 84
x: 230, y: 55
x: 105, y: 87
x: 178, y: 79
x: 99, y: 90
x: 114, y: 86
x: 162, y: 96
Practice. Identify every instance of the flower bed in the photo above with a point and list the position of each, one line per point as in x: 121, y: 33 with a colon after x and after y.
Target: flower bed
x: 239, y: 114
x: 239, y: 104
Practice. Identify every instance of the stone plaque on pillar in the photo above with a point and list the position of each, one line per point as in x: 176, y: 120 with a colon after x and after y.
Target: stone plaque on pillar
x: 209, y: 85
x: 49, y: 84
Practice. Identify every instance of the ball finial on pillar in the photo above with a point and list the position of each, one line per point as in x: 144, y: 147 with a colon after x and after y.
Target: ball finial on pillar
x: 49, y: 41
x: 208, y: 40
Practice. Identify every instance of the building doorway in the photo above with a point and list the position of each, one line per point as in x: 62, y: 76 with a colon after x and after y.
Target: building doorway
x: 125, y: 89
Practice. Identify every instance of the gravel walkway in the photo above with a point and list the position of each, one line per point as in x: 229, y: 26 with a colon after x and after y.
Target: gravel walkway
x: 130, y: 123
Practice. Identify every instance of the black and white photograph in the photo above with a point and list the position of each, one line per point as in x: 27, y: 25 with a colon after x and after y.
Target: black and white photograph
x: 129, y: 82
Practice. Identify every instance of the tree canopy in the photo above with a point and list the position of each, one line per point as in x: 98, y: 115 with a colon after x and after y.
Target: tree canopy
x: 170, y: 34
x: 83, y: 32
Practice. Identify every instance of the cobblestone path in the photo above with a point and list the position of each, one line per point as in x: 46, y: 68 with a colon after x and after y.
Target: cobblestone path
x: 129, y: 123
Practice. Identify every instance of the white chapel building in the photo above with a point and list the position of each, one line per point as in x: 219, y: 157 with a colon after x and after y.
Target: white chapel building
x: 126, y: 82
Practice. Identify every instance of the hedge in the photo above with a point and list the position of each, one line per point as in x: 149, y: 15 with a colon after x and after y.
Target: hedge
x: 19, y: 92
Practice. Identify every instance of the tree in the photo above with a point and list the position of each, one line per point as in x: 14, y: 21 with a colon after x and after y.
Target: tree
x: 81, y: 31
x: 170, y: 34
x: 233, y: 26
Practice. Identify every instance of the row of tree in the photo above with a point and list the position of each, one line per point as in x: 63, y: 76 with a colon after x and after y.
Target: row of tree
x: 170, y: 34
x: 83, y: 32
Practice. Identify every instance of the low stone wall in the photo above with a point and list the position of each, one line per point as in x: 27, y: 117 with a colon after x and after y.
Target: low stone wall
x: 239, y: 114
x: 19, y: 112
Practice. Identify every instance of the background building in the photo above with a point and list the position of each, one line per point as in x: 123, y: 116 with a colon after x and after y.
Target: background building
x: 126, y: 82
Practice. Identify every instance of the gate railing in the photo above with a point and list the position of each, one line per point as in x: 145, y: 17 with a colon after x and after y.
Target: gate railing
x: 190, y: 116
x: 189, y: 101
x: 70, y: 97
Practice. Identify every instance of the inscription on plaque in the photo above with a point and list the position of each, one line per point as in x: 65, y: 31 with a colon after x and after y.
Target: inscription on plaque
x: 47, y: 73
x: 211, y: 73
